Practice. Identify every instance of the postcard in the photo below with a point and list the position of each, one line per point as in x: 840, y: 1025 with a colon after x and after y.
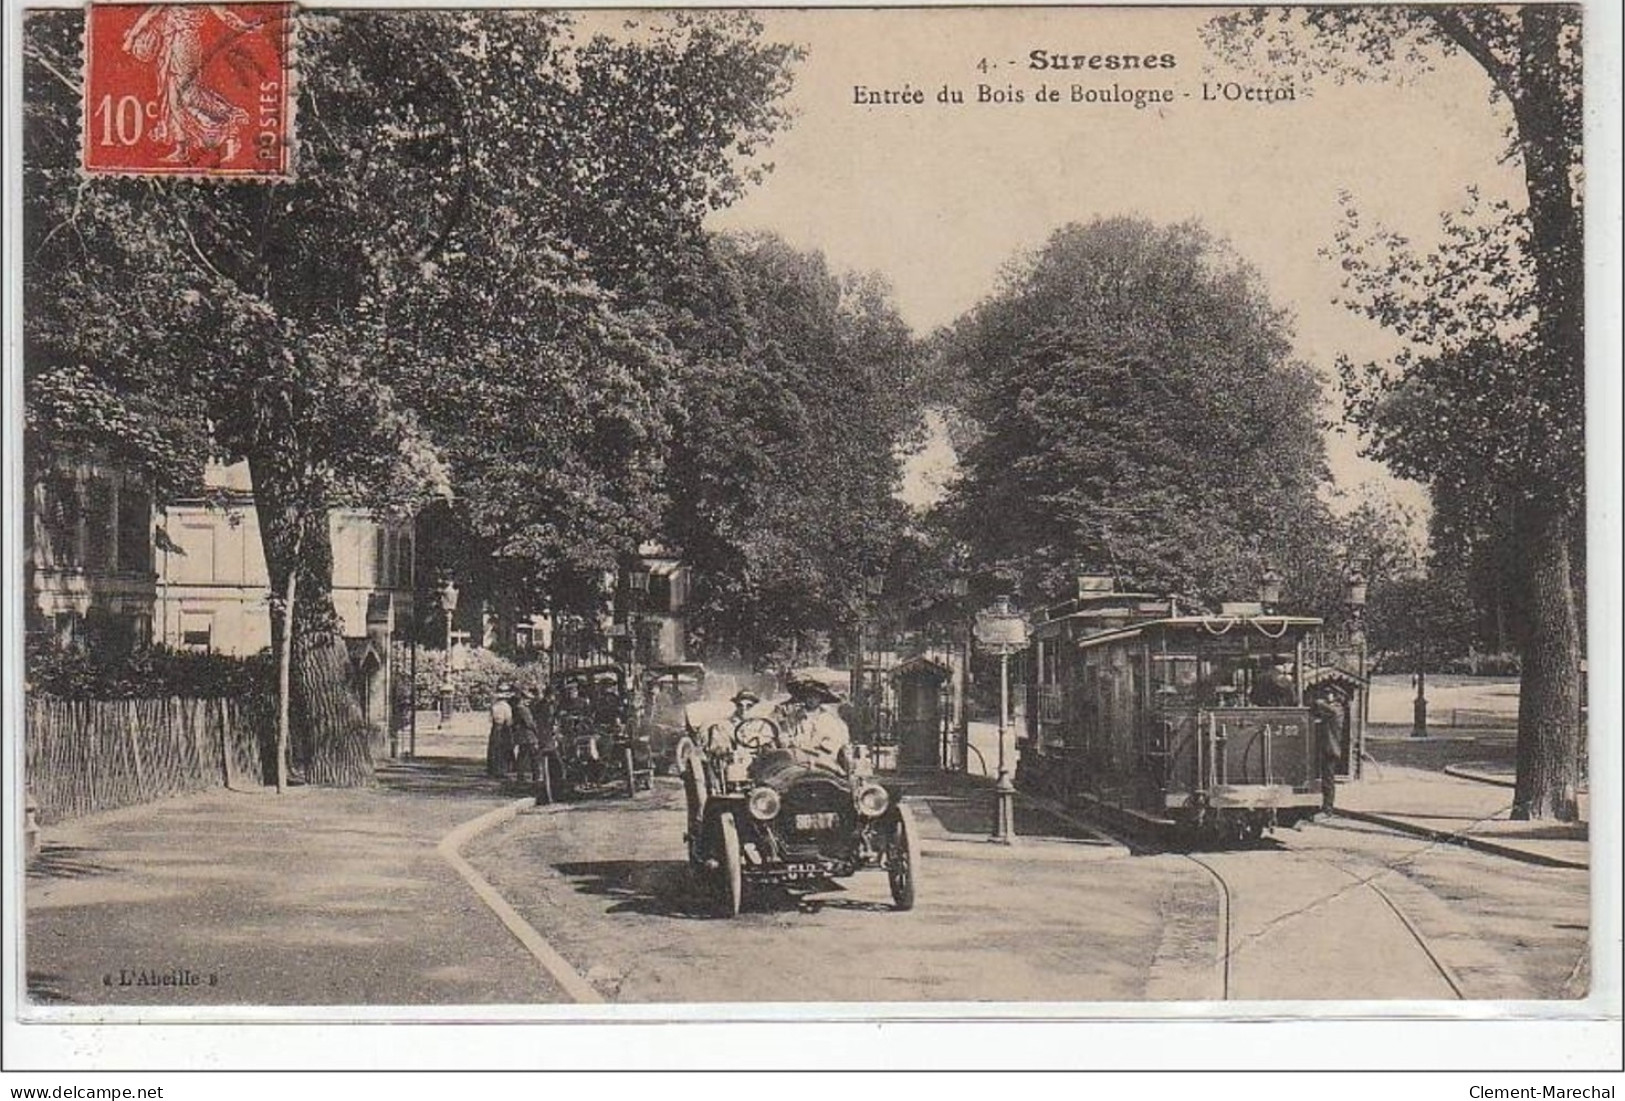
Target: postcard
x: 1064, y: 517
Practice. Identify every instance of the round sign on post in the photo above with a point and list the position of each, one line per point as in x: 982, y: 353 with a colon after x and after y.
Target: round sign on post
x: 1002, y: 630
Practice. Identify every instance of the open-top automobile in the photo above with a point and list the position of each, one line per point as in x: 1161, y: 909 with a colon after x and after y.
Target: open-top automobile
x: 597, y: 744
x: 771, y: 806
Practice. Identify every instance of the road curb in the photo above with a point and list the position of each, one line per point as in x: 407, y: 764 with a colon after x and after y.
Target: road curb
x: 450, y: 849
x: 1477, y: 777
x: 1464, y: 840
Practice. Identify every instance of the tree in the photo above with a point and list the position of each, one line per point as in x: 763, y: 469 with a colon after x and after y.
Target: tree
x: 797, y: 394
x: 1140, y: 415
x: 566, y: 306
x: 1486, y: 401
x: 455, y: 275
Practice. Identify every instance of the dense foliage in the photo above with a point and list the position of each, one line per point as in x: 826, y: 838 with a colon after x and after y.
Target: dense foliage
x: 1139, y: 414
x: 798, y: 393
x: 476, y: 677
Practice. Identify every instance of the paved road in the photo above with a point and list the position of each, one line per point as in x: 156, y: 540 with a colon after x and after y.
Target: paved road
x: 606, y: 884
x: 334, y: 897
x: 1060, y: 920
x: 1508, y: 930
x: 1301, y: 928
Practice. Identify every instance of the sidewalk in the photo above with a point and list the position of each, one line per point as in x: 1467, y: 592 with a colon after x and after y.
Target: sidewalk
x: 955, y: 815
x: 1454, y: 807
x: 314, y: 897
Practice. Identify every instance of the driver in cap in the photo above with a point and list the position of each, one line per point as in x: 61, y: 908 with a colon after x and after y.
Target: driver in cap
x: 719, y: 738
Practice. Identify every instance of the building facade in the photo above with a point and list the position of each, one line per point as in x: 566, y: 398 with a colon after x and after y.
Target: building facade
x: 213, y: 588
x: 89, y: 553
x: 109, y: 570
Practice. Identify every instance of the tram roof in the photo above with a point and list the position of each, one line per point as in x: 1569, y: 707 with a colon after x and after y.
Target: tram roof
x: 1269, y: 626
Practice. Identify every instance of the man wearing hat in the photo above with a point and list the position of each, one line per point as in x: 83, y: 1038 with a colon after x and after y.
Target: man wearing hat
x: 527, y: 741
x: 743, y: 700
x: 719, y: 735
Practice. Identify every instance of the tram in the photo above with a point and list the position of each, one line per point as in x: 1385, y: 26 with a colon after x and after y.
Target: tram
x: 1191, y: 722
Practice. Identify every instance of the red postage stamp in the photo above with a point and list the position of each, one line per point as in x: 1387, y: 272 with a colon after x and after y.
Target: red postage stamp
x: 189, y: 90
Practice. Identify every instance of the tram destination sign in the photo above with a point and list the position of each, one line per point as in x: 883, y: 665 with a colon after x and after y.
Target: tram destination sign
x: 1000, y: 628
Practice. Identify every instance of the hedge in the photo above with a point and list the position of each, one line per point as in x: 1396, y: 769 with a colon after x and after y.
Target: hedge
x: 158, y: 673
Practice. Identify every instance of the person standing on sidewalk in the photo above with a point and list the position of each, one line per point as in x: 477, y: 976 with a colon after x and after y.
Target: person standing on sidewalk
x: 1328, y: 720
x: 527, y: 737
x: 499, y: 745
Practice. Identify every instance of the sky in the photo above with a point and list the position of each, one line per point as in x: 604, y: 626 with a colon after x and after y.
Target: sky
x: 939, y: 197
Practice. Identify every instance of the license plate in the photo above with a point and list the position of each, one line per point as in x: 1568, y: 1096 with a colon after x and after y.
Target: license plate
x: 825, y: 821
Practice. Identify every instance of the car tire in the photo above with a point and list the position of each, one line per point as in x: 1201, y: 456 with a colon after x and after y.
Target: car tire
x: 903, y: 859
x: 730, y: 873
x: 695, y: 795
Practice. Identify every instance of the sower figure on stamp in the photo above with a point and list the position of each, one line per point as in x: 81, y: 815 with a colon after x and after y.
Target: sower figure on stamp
x: 190, y: 113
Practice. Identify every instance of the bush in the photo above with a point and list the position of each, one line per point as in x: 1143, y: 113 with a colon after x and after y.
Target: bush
x: 473, y: 687
x: 158, y: 673
x: 1486, y: 665
x: 1477, y: 665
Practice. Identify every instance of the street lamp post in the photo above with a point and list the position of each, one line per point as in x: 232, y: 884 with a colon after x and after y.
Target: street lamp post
x: 1354, y: 598
x: 1419, y: 707
x: 959, y: 639
x: 448, y: 605
x: 1002, y: 630
x: 874, y: 587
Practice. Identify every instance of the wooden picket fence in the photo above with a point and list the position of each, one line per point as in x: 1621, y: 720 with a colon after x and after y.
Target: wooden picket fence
x: 82, y: 756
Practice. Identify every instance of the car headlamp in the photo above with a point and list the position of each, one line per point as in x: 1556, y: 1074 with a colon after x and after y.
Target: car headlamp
x: 763, y: 803
x: 873, y: 800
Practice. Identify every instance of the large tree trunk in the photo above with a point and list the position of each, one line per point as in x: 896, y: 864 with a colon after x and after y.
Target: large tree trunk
x: 1549, y: 729
x: 332, y: 740
x: 1549, y: 708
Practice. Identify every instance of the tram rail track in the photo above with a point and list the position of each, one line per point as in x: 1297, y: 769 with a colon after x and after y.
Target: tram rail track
x: 1131, y: 835
x: 1230, y: 948
x: 1445, y: 970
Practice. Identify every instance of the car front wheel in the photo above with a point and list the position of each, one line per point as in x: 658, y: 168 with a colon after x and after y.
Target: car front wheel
x: 730, y: 873
x: 903, y: 859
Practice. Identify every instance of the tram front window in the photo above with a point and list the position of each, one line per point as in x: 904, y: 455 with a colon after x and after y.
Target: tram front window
x: 1247, y: 680
x: 1222, y: 680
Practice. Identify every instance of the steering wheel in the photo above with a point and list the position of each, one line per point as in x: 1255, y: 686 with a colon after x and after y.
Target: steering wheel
x: 756, y: 733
